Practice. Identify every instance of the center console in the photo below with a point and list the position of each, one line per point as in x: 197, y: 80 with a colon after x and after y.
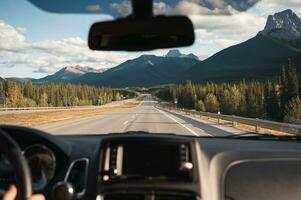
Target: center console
x: 148, y: 168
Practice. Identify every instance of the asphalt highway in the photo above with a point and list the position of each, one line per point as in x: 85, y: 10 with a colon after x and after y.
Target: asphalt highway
x: 145, y: 117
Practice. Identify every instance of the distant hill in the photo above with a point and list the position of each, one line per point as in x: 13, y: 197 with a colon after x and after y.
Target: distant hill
x: 175, y: 53
x: 67, y: 74
x: 258, y: 58
x: 19, y: 80
x: 146, y: 70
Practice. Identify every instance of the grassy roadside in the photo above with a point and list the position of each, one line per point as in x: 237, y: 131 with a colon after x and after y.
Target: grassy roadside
x: 244, y: 127
x: 39, y: 118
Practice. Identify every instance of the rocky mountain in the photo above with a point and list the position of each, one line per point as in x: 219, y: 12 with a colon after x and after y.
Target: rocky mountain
x: 146, y: 70
x: 2, y: 79
x: 283, y: 25
x: 258, y: 58
x: 68, y: 74
x: 175, y: 53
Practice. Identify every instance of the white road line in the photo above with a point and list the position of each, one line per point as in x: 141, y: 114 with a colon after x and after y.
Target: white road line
x: 124, y: 123
x: 170, y: 117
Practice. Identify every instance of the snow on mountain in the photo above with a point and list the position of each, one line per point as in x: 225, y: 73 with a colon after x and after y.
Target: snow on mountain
x: 69, y: 73
x: 283, y: 25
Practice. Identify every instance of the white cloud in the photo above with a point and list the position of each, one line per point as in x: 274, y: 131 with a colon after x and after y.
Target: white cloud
x: 223, y: 43
x: 214, y: 32
x: 194, y: 8
x: 185, y: 7
x: 44, y: 70
x: 10, y: 38
x: 77, y: 50
x: 11, y: 59
x: 94, y: 8
x: 224, y: 24
x: 268, y: 7
x: 188, y: 7
x: 213, y: 42
x: 240, y: 24
x: 49, y: 56
x: 161, y: 8
x: 123, y: 9
x: 218, y: 32
x: 22, y: 30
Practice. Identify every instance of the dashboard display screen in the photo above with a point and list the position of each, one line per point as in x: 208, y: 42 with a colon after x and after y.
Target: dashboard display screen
x: 151, y: 160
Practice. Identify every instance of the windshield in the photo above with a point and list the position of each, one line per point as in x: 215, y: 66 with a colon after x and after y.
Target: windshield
x: 241, y: 75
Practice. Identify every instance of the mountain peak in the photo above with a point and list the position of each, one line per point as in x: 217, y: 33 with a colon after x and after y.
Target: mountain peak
x: 175, y: 53
x: 283, y: 25
x: 69, y: 73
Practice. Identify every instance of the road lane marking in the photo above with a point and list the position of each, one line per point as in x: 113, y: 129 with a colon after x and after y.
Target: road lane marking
x: 124, y: 123
x: 172, y: 118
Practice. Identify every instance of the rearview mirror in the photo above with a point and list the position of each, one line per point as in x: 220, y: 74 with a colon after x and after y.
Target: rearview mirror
x: 132, y: 34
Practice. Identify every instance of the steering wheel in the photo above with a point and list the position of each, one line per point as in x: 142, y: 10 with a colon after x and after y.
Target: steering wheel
x: 10, y: 149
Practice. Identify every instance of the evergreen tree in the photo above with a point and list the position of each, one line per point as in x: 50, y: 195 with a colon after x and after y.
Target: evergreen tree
x: 272, y: 101
x: 200, y: 106
x: 2, y: 93
x: 189, y: 96
x: 293, y: 110
x: 211, y: 103
x: 292, y: 81
x: 230, y: 100
x: 43, y: 100
x: 289, y: 85
x: 27, y: 94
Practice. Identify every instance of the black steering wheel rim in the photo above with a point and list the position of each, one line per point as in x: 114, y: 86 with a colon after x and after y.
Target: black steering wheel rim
x: 10, y: 149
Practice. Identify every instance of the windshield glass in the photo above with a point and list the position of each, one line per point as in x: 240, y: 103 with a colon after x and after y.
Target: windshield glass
x: 241, y: 75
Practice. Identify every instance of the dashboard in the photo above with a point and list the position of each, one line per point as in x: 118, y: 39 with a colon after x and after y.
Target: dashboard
x: 143, y: 166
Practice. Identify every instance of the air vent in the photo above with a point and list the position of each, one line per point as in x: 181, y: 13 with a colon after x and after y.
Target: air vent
x: 184, y: 153
x: 125, y: 196
x: 186, y: 164
x: 77, y: 175
x: 175, y: 197
x: 113, y: 162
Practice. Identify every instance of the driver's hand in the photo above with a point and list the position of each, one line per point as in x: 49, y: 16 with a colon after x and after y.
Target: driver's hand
x: 11, y: 194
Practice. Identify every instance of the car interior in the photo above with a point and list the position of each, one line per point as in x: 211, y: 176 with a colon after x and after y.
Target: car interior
x: 139, y: 165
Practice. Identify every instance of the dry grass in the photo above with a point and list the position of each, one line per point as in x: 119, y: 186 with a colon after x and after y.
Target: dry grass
x: 261, y: 130
x: 244, y: 127
x: 39, y: 118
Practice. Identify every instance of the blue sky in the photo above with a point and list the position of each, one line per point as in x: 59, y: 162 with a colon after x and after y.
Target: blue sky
x: 34, y: 43
x: 41, y: 25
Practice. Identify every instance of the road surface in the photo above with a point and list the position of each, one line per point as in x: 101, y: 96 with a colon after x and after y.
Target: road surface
x: 145, y: 117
